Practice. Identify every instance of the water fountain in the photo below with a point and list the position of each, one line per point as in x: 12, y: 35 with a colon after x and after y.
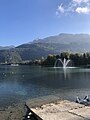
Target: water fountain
x: 63, y: 62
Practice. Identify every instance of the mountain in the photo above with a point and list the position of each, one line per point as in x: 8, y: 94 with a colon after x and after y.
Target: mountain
x: 9, y: 56
x: 62, y: 42
x: 65, y: 38
x: 49, y: 45
x: 6, y: 47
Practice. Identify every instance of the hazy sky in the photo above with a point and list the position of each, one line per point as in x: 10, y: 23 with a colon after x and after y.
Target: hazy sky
x: 22, y: 21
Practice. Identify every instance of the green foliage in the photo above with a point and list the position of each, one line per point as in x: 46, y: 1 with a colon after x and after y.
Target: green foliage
x: 49, y: 61
x: 65, y: 55
x: 77, y: 58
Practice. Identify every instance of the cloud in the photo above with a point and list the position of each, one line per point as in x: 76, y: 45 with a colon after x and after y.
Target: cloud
x: 74, y: 6
x: 60, y: 10
x: 81, y: 1
x: 84, y: 10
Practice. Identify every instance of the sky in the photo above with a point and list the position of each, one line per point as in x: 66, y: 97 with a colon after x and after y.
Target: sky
x: 22, y: 21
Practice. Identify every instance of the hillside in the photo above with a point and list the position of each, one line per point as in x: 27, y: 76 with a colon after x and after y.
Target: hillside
x: 70, y: 42
x: 65, y: 38
x: 51, y: 45
x: 6, y: 47
x: 9, y: 56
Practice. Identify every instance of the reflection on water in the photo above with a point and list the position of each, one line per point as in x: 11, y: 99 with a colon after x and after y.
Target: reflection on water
x: 23, y: 82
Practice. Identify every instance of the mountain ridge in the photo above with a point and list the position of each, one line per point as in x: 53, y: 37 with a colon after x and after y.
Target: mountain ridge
x: 6, y: 47
x: 49, y: 45
x: 59, y: 38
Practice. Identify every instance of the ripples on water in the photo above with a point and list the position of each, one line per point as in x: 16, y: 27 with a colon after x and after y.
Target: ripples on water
x: 23, y: 82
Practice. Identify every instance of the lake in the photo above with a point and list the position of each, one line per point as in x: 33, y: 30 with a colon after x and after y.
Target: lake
x: 19, y: 83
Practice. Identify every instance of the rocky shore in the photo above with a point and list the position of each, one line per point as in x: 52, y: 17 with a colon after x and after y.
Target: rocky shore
x: 48, y: 109
x: 63, y: 110
x: 13, y: 112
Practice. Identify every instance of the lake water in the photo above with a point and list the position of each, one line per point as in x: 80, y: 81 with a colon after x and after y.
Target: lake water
x: 27, y: 82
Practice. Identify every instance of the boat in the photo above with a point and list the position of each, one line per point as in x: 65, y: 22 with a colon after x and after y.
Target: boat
x: 14, y: 64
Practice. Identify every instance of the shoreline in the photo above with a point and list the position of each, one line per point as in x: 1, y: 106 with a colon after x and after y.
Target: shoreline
x: 48, y: 108
x: 17, y: 111
x: 63, y: 110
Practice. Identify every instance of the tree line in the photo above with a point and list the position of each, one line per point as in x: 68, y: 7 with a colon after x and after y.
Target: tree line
x: 78, y: 59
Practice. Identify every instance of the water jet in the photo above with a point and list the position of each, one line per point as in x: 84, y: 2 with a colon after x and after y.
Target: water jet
x: 64, y: 62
